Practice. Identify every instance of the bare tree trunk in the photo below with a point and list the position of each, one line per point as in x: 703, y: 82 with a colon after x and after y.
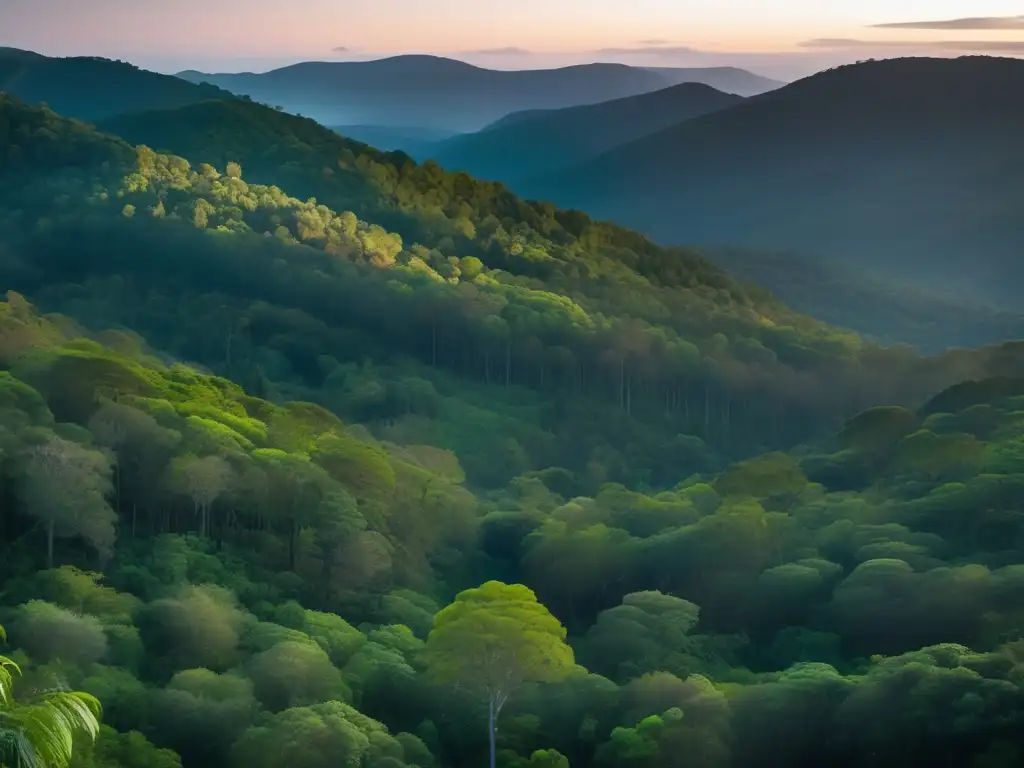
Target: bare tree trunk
x: 49, y: 544
x: 293, y: 534
x: 492, y: 727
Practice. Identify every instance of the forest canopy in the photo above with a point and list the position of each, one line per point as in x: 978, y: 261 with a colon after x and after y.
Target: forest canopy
x: 313, y: 481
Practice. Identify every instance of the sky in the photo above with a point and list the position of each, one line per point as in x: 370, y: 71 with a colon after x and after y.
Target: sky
x: 779, y: 38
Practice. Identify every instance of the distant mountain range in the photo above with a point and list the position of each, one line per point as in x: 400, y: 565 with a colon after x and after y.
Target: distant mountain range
x: 909, y: 168
x: 438, y: 93
x: 524, y: 144
x: 91, y: 88
x: 912, y: 167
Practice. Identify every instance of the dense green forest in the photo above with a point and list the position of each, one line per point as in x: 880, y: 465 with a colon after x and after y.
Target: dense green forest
x: 251, y: 446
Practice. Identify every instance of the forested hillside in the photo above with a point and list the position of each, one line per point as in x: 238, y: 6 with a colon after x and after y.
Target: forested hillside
x: 286, y: 397
x: 543, y: 317
x: 93, y: 88
x: 847, y: 165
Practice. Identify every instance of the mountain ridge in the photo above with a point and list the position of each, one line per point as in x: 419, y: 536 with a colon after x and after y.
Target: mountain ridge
x: 436, y: 92
x: 94, y: 88
x: 525, y: 143
x: 804, y: 168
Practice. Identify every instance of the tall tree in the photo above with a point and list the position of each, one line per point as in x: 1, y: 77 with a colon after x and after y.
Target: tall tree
x: 41, y: 734
x: 203, y: 480
x: 493, y: 639
x: 65, y: 487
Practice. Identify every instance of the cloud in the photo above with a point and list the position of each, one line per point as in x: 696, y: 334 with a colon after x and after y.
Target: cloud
x: 341, y: 49
x: 510, y: 50
x: 648, y: 50
x: 961, y: 46
x: 654, y: 41
x: 981, y: 22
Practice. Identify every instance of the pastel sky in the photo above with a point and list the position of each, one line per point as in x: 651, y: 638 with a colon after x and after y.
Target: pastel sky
x: 786, y: 38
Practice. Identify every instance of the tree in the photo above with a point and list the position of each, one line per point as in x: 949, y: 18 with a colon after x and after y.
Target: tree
x: 204, y: 481
x: 125, y: 750
x: 66, y: 487
x: 49, y: 632
x: 327, y: 735
x: 142, y: 447
x: 647, y: 633
x: 41, y: 734
x: 292, y: 674
x: 197, y: 628
x: 494, y: 638
x: 200, y: 714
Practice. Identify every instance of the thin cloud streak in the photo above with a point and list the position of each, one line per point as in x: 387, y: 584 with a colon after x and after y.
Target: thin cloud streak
x: 506, y: 51
x: 654, y: 41
x: 998, y: 23
x: 962, y: 46
x: 648, y: 50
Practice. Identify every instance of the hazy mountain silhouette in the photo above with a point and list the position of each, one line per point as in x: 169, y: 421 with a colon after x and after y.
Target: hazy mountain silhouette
x: 524, y: 144
x: 414, y: 140
x: 728, y: 79
x: 439, y: 93
x: 913, y: 166
x: 91, y: 88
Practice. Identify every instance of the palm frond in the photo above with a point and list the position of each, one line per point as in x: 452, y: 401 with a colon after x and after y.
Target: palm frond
x: 16, y: 749
x: 42, y: 734
x: 51, y: 725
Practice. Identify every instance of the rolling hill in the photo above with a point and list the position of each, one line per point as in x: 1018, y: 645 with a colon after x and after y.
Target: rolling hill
x: 438, y: 93
x: 727, y: 79
x: 908, y: 166
x: 93, y: 88
x: 524, y: 144
x: 427, y: 205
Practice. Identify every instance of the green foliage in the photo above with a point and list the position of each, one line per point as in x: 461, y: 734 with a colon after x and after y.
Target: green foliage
x: 291, y: 674
x: 442, y: 386
x: 42, y: 733
x: 198, y: 628
x: 124, y: 750
x: 326, y: 734
x: 496, y: 637
x: 49, y: 633
x: 648, y: 632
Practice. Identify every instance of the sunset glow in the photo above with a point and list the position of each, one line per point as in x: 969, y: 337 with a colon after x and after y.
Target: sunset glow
x: 260, y: 34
